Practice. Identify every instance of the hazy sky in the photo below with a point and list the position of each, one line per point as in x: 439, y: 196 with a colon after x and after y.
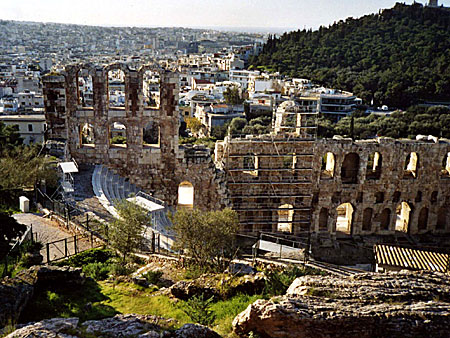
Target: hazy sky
x: 193, y: 13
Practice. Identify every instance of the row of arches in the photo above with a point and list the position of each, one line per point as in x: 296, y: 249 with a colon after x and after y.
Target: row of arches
x: 345, y: 216
x: 351, y: 166
x: 116, y: 88
x: 117, y: 134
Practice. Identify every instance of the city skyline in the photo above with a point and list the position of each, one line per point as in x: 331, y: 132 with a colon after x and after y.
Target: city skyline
x: 250, y: 15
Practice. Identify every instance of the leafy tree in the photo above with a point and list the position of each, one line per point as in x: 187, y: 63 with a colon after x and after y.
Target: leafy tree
x: 9, y: 229
x: 397, y: 57
x: 199, y: 310
x: 237, y: 125
x: 126, y: 232
x: 232, y: 96
x: 207, y: 237
x: 23, y: 167
x: 193, y: 124
x: 9, y: 136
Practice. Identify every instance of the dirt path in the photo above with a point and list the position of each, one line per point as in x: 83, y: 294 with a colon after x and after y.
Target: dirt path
x: 46, y: 231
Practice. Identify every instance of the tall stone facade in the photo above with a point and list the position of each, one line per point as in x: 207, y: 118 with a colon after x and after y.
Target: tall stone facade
x: 158, y: 168
x: 367, y: 187
x: 278, y: 183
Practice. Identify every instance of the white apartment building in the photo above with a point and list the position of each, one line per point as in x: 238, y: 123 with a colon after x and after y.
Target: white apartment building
x: 31, y: 127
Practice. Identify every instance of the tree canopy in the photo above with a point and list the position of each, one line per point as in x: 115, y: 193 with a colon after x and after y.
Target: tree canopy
x: 397, y: 57
x: 207, y: 237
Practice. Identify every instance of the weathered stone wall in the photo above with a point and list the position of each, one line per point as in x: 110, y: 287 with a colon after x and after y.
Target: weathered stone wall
x: 157, y: 168
x: 55, y: 106
x: 290, y: 171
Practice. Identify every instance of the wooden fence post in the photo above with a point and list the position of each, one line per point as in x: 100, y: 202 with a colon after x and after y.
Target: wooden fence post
x: 65, y: 247
x: 75, y: 243
x: 48, y: 252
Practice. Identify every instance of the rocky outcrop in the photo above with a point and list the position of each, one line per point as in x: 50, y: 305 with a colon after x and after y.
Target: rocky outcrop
x: 123, y: 326
x: 16, y: 292
x: 404, y: 304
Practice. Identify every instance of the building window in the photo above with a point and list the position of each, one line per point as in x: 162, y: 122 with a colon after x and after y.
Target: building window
x: 402, y: 219
x: 186, y: 195
x: 30, y: 127
x: 327, y: 169
x: 367, y: 219
x: 344, y: 218
x: 410, y: 169
x: 350, y: 168
x: 285, y: 217
x: 373, y: 171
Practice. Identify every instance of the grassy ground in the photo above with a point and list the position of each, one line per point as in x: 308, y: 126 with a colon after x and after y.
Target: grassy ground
x: 97, y: 300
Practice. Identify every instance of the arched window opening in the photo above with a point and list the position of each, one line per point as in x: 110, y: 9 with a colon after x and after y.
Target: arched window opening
x: 442, y: 219
x: 344, y: 218
x: 350, y: 168
x: 410, y: 169
x: 116, y: 88
x: 87, y: 135
x: 367, y: 219
x: 323, y: 219
x: 85, y: 89
x: 186, y: 195
x: 422, y: 222
x: 151, y: 89
x: 396, y: 196
x: 118, y: 134
x: 373, y: 171
x: 379, y: 197
x: 250, y: 164
x: 385, y: 219
x: 285, y: 217
x: 328, y: 163
x: 418, y: 197
x: 402, y: 220
x: 434, y: 197
x: 151, y: 134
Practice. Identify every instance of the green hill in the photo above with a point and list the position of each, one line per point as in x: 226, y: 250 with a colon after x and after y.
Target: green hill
x: 397, y: 57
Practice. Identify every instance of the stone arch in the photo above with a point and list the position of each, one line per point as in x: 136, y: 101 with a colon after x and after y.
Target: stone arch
x: 374, y: 163
x: 116, y: 85
x: 367, y: 219
x: 434, y: 196
x: 87, y: 134
x: 411, y: 165
x: 117, y: 134
x: 442, y: 219
x: 403, y: 212
x: 328, y: 164
x: 422, y: 221
x: 344, y: 218
x: 151, y: 134
x: 445, y: 171
x: 418, y: 198
x: 85, y: 87
x: 323, y: 219
x: 186, y: 194
x: 350, y: 168
x: 151, y: 89
x: 396, y: 196
x: 285, y: 218
x: 385, y: 219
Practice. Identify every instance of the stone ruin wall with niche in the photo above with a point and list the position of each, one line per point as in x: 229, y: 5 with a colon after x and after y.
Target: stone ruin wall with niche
x: 159, y: 168
x: 255, y: 194
x: 258, y: 194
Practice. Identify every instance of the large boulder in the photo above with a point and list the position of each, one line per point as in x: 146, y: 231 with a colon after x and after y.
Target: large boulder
x: 123, y: 326
x: 55, y: 327
x: 404, y: 304
x: 16, y: 292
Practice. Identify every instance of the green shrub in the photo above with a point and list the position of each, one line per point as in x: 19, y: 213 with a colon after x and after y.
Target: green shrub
x: 153, y: 277
x: 199, y: 310
x: 99, y: 255
x: 118, y: 269
x: 277, y: 282
x: 97, y: 271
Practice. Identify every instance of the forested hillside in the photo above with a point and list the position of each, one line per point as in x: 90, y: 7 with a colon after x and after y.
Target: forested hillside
x: 397, y: 57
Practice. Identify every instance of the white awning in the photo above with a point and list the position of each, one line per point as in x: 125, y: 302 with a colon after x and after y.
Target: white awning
x: 68, y: 167
x: 145, y: 203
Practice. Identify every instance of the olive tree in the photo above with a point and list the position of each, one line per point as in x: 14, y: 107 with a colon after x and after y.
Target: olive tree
x: 207, y: 237
x: 126, y: 232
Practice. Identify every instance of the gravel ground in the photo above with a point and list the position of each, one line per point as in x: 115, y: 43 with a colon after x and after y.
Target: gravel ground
x: 47, y: 231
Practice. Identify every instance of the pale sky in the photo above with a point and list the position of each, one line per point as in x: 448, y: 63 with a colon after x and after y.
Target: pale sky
x: 193, y: 13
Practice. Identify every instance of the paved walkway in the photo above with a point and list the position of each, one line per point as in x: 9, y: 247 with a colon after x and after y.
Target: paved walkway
x: 46, y: 231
